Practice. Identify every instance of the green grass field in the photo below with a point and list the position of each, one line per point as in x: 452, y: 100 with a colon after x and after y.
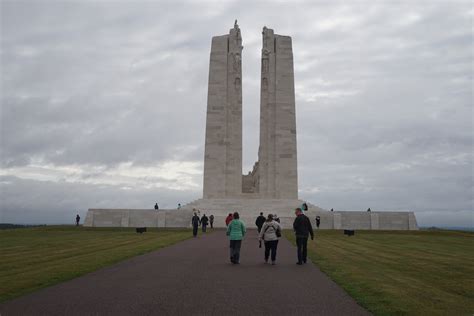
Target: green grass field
x: 400, y: 273
x: 33, y: 258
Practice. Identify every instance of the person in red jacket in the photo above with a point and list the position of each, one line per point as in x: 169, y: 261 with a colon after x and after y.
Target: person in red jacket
x: 228, y: 219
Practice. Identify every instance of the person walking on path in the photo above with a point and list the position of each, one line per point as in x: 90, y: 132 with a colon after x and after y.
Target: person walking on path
x: 236, y: 232
x: 318, y: 221
x: 259, y: 221
x: 195, y: 222
x: 211, y: 221
x: 302, y: 227
x: 270, y: 233
x: 228, y: 219
x: 78, y: 218
x: 204, y: 221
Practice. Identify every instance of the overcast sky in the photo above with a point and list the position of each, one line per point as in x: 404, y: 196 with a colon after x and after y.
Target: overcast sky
x: 103, y: 103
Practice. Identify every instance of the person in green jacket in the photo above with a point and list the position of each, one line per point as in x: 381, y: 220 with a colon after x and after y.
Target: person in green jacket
x: 236, y: 232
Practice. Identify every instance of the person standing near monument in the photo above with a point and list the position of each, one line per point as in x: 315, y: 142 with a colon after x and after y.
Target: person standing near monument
x: 236, y: 232
x: 157, y: 207
x: 228, y: 219
x: 78, y: 218
x: 302, y: 227
x: 304, y: 207
x: 259, y: 221
x: 204, y: 221
x: 270, y: 233
x: 211, y: 221
x: 195, y: 222
x: 318, y: 221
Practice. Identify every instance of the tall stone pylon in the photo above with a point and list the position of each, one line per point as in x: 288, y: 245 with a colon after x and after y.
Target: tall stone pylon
x: 223, y: 146
x: 277, y: 165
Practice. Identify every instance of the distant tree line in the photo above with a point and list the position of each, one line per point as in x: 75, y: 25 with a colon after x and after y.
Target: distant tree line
x: 13, y: 226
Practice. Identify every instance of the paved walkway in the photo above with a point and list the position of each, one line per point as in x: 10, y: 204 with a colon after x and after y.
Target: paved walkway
x: 195, y: 277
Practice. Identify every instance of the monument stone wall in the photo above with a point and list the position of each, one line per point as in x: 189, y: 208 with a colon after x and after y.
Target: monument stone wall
x: 272, y: 185
x: 277, y: 152
x: 223, y: 144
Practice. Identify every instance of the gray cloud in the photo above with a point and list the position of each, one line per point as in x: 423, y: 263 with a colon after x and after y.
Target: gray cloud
x: 97, y: 95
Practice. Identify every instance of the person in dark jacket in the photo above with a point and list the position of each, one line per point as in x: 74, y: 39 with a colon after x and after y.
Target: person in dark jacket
x: 259, y: 222
x: 318, y: 221
x: 195, y: 221
x: 302, y: 227
x: 78, y: 218
x: 204, y: 221
x: 156, y: 207
x: 211, y: 221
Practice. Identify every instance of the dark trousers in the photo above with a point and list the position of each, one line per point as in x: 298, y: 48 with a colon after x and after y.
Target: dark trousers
x: 259, y: 228
x: 204, y: 228
x: 212, y: 224
x: 302, y: 244
x: 195, y: 230
x: 235, y: 250
x: 271, y: 246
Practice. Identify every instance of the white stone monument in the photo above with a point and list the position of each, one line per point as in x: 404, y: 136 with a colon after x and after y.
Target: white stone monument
x: 272, y: 185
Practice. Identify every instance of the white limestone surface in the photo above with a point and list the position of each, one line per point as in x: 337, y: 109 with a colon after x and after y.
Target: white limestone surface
x: 220, y: 208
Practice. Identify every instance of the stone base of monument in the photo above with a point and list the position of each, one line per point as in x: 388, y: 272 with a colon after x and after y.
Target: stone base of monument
x: 249, y: 209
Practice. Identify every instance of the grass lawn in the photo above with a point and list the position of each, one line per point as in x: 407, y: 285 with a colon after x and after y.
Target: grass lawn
x: 400, y: 273
x: 33, y: 258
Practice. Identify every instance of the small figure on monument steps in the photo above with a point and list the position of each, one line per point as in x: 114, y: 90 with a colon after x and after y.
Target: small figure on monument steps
x: 304, y: 207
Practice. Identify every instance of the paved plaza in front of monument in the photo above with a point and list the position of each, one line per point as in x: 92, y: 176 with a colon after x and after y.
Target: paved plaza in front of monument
x: 195, y: 277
